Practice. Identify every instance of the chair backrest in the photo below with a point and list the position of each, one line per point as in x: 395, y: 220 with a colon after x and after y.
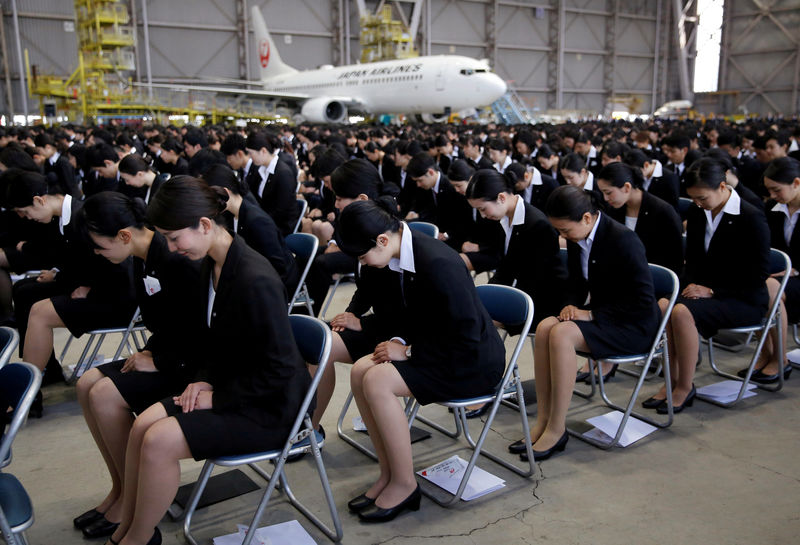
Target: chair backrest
x: 19, y: 383
x: 302, y: 206
x: 9, y: 340
x: 563, y: 254
x: 683, y: 206
x: 304, y: 247
x: 424, y: 227
x: 665, y: 286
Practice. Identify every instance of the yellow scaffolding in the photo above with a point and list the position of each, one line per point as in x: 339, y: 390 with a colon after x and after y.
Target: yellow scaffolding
x: 384, y: 38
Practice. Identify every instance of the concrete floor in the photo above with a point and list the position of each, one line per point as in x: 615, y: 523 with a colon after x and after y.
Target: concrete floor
x: 725, y: 476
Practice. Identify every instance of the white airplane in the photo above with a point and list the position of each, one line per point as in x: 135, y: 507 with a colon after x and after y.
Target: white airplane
x: 432, y: 86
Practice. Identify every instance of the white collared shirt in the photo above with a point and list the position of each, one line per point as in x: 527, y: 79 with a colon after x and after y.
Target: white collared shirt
x: 435, y: 188
x: 658, y: 172
x: 732, y: 207
x: 265, y: 172
x: 66, y: 213
x: 586, y: 248
x: 518, y: 219
x: 247, y: 166
x: 502, y: 168
x: 592, y: 153
x: 406, y: 260
x: 54, y: 158
x: 789, y: 223
x: 589, y: 185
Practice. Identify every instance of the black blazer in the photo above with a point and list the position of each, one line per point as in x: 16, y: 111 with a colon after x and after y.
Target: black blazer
x: 289, y: 160
x: 737, y: 262
x: 660, y: 229
x: 748, y: 195
x: 666, y: 187
x: 775, y: 220
x: 533, y: 261
x: 443, y: 210
x: 260, y: 233
x: 62, y: 175
x: 278, y: 198
x: 248, y: 353
x: 619, y: 281
x: 540, y: 192
x: 482, y: 163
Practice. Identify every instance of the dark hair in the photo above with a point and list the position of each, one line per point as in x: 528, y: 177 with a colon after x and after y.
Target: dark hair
x: 97, y: 155
x: 14, y: 156
x: 612, y: 149
x: 223, y: 176
x: 408, y: 147
x: 572, y: 162
x: 583, y: 137
x: 783, y: 170
x: 487, y: 183
x: 677, y: 140
x: 258, y: 140
x: 515, y: 172
x: 233, y: 143
x: 361, y: 222
x: 729, y: 138
x: 570, y: 203
x: 204, y: 159
x: 107, y: 212
x: 131, y: 164
x: 44, y: 139
x: 182, y: 201
x: 527, y: 138
x: 372, y: 147
x: 441, y: 140
x: 705, y: 172
x: 326, y: 162
x: 721, y: 156
x: 781, y: 137
x: 637, y: 158
x: 354, y: 177
x: 23, y: 186
x: 195, y: 136
x: 420, y: 163
x: 460, y: 171
x: 545, y: 151
x: 498, y: 144
x: 618, y: 174
x: 172, y: 144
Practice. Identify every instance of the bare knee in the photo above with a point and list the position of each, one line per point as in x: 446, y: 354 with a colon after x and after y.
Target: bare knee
x: 467, y: 262
x: 544, y: 327
x: 103, y: 393
x: 43, y: 313
x: 87, y: 380
x: 360, y: 368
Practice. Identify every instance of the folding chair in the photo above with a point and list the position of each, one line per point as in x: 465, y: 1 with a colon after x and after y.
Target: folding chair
x: 19, y: 383
x: 97, y: 336
x: 9, y: 341
x: 313, y: 338
x: 350, y: 277
x: 683, y: 206
x: 304, y: 247
x: 302, y: 206
x: 666, y: 285
x: 424, y: 227
x: 779, y: 262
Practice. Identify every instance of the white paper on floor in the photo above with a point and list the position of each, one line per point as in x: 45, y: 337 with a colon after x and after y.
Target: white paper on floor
x: 99, y: 360
x: 606, y: 425
x: 358, y: 424
x: 794, y: 355
x: 726, y: 390
x: 448, y: 474
x: 277, y: 534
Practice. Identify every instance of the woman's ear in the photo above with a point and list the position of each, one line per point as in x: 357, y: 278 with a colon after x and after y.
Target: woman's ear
x: 124, y: 235
x: 796, y: 183
x: 382, y: 240
x: 38, y: 200
x: 205, y: 225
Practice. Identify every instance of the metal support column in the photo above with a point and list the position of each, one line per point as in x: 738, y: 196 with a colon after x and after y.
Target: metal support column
x: 148, y: 67
x: 491, y: 33
x: 610, y: 61
x: 796, y: 85
x: 656, y: 57
x: 666, y: 50
x: 552, y: 53
x: 683, y: 45
x: 337, y: 36
x: 6, y: 71
x: 562, y: 23
x: 241, y: 39
x: 347, y: 59
x: 22, y: 86
x: 428, y: 25
x: 135, y: 24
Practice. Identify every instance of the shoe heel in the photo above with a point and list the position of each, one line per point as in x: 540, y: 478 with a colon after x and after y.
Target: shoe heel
x: 414, y: 505
x: 689, y: 403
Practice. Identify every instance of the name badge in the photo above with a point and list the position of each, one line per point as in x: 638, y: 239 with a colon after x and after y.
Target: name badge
x: 151, y: 285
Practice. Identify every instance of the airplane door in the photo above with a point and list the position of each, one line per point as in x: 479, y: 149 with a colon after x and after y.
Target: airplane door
x: 440, y: 79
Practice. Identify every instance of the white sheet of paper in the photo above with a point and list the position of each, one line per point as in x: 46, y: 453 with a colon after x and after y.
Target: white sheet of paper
x: 634, y: 430
x: 726, y: 390
x: 448, y: 473
x: 285, y: 532
x: 793, y: 355
x: 358, y: 424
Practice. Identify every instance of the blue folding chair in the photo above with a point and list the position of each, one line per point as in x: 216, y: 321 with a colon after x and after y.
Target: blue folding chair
x: 304, y: 247
x: 9, y: 341
x: 19, y: 383
x: 424, y: 227
x: 313, y: 338
x: 302, y: 207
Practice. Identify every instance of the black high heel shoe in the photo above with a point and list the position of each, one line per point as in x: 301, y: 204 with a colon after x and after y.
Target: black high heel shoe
x: 477, y: 413
x: 560, y: 445
x: 653, y: 402
x: 761, y: 378
x: 586, y: 376
x: 359, y: 503
x: 379, y: 514
x: 85, y: 519
x: 688, y: 402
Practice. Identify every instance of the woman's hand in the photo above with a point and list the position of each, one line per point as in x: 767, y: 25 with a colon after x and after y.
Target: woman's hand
x: 80, y: 293
x: 571, y: 312
x: 696, y: 291
x: 47, y: 276
x: 189, y: 398
x: 20, y: 244
x: 346, y: 320
x: 140, y: 361
x: 412, y: 216
x: 331, y: 216
x: 389, y: 351
x: 470, y: 247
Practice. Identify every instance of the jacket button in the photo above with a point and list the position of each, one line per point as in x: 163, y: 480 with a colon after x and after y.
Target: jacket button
x: 214, y: 314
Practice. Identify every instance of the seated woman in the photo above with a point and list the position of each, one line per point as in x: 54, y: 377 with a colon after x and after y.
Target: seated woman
x: 255, y: 226
x: 252, y: 379
x: 612, y: 310
x: 575, y: 173
x: 782, y: 180
x: 82, y: 292
x: 438, y: 343
x: 111, y: 394
x: 140, y: 179
x: 724, y: 280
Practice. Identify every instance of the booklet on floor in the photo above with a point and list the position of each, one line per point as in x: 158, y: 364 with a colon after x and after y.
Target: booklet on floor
x: 448, y: 474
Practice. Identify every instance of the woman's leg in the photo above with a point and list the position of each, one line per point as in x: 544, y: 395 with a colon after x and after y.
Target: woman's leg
x: 114, y: 420
x: 564, y: 339
x: 672, y: 351
x: 768, y: 360
x: 328, y: 381
x: 357, y: 375
x: 163, y: 446
x: 467, y: 262
x: 42, y: 320
x: 541, y: 369
x: 84, y: 387
x: 382, y: 385
x: 148, y: 418
x: 684, y: 359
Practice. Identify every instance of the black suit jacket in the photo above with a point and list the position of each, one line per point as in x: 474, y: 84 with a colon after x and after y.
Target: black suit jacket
x: 666, y: 187
x: 660, y: 229
x: 619, y: 281
x: 748, y: 195
x: 541, y: 192
x: 259, y: 231
x: 775, y: 220
x: 533, y: 261
x: 289, y: 160
x: 737, y: 262
x: 249, y: 353
x: 482, y: 163
x: 278, y: 198
x: 62, y: 175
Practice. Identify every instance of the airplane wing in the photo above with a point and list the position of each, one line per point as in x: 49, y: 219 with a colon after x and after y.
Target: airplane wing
x: 224, y: 90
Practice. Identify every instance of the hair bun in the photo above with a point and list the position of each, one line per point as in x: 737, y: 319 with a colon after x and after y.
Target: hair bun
x: 388, y: 204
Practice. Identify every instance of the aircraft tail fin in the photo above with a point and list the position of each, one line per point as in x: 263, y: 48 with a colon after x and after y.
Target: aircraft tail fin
x: 269, y: 59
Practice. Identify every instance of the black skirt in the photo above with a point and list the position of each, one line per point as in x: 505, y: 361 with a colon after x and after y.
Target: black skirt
x: 82, y: 315
x: 362, y: 343
x: 432, y: 384
x: 713, y: 313
x: 792, y: 299
x: 212, y: 434
x: 140, y: 389
x: 617, y: 339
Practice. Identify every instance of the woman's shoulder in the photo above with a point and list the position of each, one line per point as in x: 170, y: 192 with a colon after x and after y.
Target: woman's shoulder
x: 657, y: 205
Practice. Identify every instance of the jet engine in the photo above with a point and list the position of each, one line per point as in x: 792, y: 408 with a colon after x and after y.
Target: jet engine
x: 324, y: 110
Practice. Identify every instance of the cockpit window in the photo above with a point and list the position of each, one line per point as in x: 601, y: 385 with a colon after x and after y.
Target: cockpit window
x: 480, y: 70
x: 467, y: 71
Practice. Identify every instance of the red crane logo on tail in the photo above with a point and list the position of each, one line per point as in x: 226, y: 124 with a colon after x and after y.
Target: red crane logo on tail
x: 263, y: 53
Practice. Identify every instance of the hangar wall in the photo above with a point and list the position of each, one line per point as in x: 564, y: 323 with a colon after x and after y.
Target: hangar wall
x: 559, y: 54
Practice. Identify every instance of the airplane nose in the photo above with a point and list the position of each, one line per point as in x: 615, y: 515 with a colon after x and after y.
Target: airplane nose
x: 495, y: 87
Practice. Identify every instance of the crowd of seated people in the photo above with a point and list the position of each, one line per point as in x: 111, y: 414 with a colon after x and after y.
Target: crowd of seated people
x: 189, y: 225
